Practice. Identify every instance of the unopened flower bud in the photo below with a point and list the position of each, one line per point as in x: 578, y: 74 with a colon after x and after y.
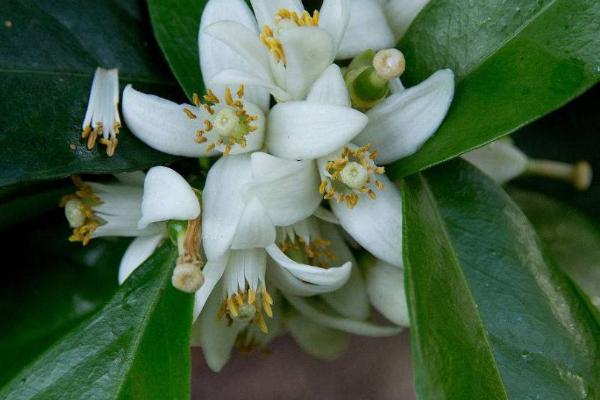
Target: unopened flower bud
x: 187, y: 277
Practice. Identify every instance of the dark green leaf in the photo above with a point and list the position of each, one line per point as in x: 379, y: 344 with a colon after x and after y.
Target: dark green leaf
x: 176, y: 24
x: 137, y: 346
x: 49, y: 286
x: 572, y: 239
x: 514, y: 61
x: 27, y: 203
x: 49, y: 50
x: 491, y: 318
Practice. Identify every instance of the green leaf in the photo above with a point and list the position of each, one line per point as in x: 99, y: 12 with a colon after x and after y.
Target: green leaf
x: 137, y: 346
x: 514, y: 61
x: 491, y: 318
x: 27, y: 203
x: 49, y: 50
x: 49, y: 286
x: 572, y: 239
x: 176, y: 24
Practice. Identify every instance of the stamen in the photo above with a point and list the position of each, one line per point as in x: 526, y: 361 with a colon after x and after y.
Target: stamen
x: 79, y: 211
x: 351, y: 174
x: 231, y: 123
x: 248, y: 305
x: 102, y: 115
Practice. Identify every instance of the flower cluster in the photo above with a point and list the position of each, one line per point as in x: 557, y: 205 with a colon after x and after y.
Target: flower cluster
x: 301, y: 179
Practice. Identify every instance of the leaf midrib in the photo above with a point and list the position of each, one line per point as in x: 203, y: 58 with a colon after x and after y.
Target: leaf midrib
x: 456, y: 265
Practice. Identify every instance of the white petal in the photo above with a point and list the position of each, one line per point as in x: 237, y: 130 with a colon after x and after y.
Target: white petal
x: 500, y: 160
x: 303, y: 130
x: 315, y: 311
x: 238, y: 77
x: 334, y: 18
x: 265, y: 10
x: 316, y: 340
x: 162, y: 124
x: 223, y: 202
x: 213, y: 271
x: 244, y: 41
x: 350, y: 300
x: 330, y: 88
x: 215, y: 56
x: 289, y: 284
x: 326, y: 215
x: 376, y: 224
x: 214, y: 334
x: 401, y: 13
x: 334, y: 277
x: 385, y: 286
x: 368, y: 29
x: 138, y: 251
x: 289, y: 190
x: 396, y: 86
x: 400, y: 125
x: 255, y: 228
x: 135, y: 178
x: 308, y: 51
x: 167, y: 196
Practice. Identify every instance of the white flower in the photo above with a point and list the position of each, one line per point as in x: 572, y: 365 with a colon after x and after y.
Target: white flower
x: 242, y: 295
x: 227, y: 125
x: 377, y: 24
x: 502, y: 161
x: 138, y: 206
x: 401, y: 13
x: 102, y: 114
x: 385, y: 287
x: 285, y: 50
x: 246, y: 196
x: 324, y: 122
x: 220, y: 122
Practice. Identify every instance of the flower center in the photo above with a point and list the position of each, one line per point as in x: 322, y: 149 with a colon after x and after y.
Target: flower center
x: 316, y: 252
x: 226, y: 122
x: 283, y: 18
x: 351, y: 174
x: 354, y: 175
x: 248, y: 305
x: 228, y: 119
x: 79, y: 211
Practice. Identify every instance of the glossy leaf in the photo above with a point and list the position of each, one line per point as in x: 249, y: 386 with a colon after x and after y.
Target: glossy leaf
x: 176, y: 24
x: 49, y: 286
x: 490, y: 315
x: 49, y: 50
x: 514, y: 62
x: 572, y: 239
x: 137, y: 346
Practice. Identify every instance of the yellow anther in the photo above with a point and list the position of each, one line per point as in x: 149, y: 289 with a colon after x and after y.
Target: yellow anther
x: 196, y: 100
x: 210, y: 97
x: 189, y: 113
x: 86, y: 200
x: 240, y: 92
